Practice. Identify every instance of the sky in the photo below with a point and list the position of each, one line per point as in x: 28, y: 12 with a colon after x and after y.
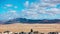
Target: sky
x: 29, y: 9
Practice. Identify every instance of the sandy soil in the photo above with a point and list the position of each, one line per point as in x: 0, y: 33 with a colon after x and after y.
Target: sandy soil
x: 17, y: 27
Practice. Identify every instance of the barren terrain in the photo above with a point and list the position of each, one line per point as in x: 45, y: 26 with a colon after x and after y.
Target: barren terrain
x: 17, y: 27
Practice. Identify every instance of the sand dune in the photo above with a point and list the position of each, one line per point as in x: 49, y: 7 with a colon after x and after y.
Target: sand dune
x: 17, y: 27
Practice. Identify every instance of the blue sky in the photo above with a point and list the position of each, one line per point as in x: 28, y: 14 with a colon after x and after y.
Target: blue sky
x: 30, y: 9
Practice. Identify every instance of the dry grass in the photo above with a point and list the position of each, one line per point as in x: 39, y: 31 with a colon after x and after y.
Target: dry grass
x: 17, y: 27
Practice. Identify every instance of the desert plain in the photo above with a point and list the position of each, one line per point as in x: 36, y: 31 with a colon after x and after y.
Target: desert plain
x: 18, y: 27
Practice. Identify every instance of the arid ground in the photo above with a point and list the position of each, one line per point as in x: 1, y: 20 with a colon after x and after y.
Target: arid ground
x: 17, y: 27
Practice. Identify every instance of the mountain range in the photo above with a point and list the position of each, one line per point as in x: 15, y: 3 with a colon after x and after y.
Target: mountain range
x: 30, y: 21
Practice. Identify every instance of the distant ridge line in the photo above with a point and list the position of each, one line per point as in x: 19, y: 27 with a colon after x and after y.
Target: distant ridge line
x: 30, y: 21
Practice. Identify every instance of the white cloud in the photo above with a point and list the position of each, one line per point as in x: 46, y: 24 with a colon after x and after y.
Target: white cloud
x: 51, y: 1
x: 26, y: 3
x: 36, y: 9
x: 9, y: 5
x: 10, y: 18
x: 11, y: 14
x: 13, y: 11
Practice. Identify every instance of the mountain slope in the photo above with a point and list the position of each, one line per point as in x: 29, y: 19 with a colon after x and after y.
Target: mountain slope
x: 24, y: 20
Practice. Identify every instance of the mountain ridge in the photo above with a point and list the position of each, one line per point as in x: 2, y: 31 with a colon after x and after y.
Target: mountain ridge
x: 30, y: 21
